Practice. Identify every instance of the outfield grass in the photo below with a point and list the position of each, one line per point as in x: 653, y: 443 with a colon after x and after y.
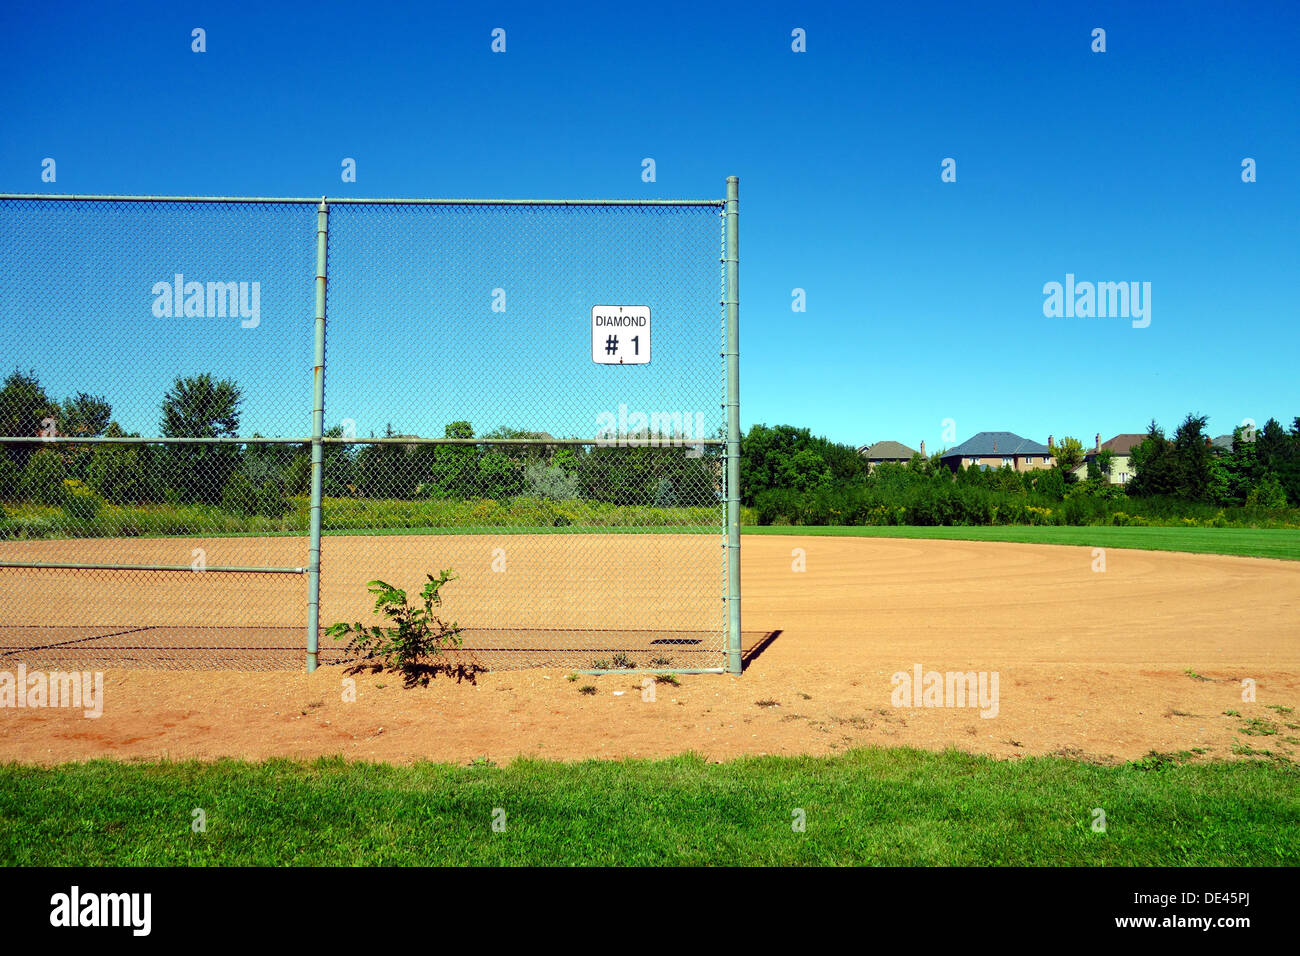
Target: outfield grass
x: 1245, y: 542
x: 873, y: 806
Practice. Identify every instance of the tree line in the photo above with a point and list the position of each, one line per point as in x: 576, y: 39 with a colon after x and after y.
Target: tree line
x: 792, y: 476
x: 257, y: 478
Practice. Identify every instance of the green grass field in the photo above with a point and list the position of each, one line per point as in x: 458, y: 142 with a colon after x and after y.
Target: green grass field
x: 1244, y: 542
x: 873, y: 806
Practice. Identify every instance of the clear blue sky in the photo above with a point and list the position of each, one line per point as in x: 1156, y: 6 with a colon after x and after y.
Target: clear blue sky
x: 924, y: 298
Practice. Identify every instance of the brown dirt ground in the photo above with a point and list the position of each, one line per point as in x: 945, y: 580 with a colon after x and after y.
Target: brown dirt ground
x: 1090, y: 664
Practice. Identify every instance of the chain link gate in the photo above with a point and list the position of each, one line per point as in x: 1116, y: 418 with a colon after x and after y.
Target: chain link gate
x: 169, y: 510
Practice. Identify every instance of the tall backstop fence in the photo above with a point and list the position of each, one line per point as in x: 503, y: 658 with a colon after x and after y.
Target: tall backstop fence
x: 222, y: 419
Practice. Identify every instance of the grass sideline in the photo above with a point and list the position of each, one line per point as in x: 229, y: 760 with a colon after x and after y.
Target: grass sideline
x: 1241, y: 542
x: 872, y: 806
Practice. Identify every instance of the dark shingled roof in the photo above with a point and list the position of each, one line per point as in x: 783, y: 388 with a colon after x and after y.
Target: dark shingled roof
x: 884, y: 450
x: 993, y: 444
x: 1123, y: 444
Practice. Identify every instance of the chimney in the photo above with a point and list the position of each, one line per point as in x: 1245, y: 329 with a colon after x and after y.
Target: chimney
x: 922, y: 447
x: 1049, y: 442
x: 1097, y: 447
x: 1208, y: 443
x: 995, y: 446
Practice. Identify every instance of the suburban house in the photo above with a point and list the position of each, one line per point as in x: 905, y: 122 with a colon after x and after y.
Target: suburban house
x: 995, y: 449
x: 887, y: 451
x: 1119, y: 446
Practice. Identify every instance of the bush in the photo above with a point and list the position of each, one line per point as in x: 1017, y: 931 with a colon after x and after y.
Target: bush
x: 499, y: 476
x: 245, y: 497
x: 417, y: 634
x: 42, y: 479
x: 1267, y: 494
x: 122, y: 474
x: 551, y: 482
x: 10, y: 476
x: 79, y: 502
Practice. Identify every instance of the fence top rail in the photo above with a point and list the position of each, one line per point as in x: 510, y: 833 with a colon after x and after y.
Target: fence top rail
x: 74, y: 197
x: 669, y: 441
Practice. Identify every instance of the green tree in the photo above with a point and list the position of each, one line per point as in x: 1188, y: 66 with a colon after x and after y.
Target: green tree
x: 783, y: 457
x: 1268, y: 494
x: 84, y: 415
x: 846, y: 464
x: 392, y: 470
x: 453, y: 469
x: 970, y: 476
x: 1191, y: 460
x: 24, y: 408
x: 1048, y: 482
x: 1152, y: 465
x: 1105, y: 462
x: 42, y: 477
x: 338, y: 466
x: 1069, y: 456
x: 1007, y: 480
x: 200, y: 407
x: 1279, y: 455
x: 123, y: 474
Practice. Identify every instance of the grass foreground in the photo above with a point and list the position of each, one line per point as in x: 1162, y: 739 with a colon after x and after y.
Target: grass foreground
x: 1242, y: 542
x: 872, y: 806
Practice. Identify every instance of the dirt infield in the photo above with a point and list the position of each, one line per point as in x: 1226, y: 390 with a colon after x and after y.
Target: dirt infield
x: 526, y: 600
x: 1149, y: 654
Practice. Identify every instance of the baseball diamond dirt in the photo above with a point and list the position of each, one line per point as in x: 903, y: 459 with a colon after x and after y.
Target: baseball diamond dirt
x: 1159, y: 652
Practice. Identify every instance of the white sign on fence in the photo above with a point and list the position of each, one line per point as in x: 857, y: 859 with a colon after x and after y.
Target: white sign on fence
x: 620, y: 334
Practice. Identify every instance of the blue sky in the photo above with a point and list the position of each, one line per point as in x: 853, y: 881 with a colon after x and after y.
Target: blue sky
x: 924, y: 298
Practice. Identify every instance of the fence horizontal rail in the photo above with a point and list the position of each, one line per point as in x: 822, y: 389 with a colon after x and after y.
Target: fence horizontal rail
x: 150, y: 567
x: 76, y: 197
x: 404, y: 440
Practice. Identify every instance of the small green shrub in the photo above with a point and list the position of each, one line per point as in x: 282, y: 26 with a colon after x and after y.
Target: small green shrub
x: 79, y: 502
x: 263, y: 498
x: 10, y: 476
x: 417, y: 634
x: 42, y: 479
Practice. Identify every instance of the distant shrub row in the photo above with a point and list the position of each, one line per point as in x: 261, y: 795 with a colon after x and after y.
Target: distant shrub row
x: 949, y: 503
x: 81, y: 514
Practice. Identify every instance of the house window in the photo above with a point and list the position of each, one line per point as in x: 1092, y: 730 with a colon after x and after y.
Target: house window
x: 1123, y: 477
x: 1029, y: 459
x: 1008, y: 461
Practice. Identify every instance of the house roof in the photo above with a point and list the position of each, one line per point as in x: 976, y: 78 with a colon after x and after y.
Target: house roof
x: 1122, y: 444
x: 991, y: 444
x: 885, y: 450
x: 1222, y: 441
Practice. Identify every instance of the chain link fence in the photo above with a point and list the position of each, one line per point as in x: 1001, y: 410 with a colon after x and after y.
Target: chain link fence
x: 486, y: 400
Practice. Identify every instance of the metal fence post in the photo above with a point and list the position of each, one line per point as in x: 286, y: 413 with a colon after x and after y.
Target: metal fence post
x: 733, y: 425
x: 317, y: 433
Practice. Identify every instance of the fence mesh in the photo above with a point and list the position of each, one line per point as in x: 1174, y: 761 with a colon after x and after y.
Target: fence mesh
x: 156, y: 510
